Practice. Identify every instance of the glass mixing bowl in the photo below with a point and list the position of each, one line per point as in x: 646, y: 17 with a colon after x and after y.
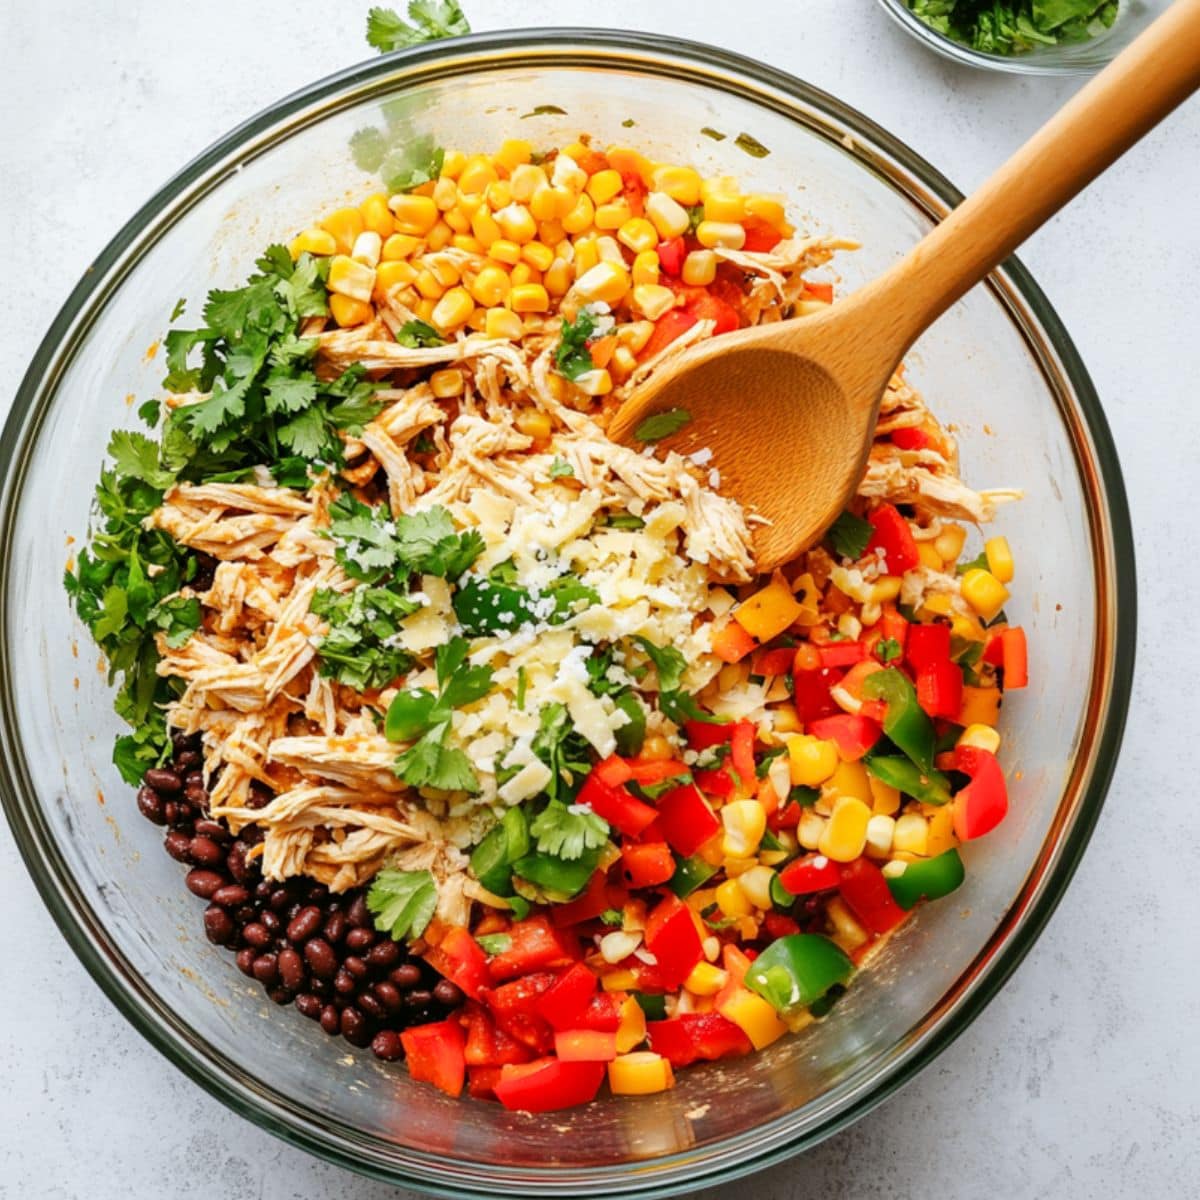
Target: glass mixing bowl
x: 999, y: 366
x: 1079, y: 58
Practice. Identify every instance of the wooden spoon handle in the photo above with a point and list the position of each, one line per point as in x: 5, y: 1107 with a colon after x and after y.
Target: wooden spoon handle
x: 1128, y: 98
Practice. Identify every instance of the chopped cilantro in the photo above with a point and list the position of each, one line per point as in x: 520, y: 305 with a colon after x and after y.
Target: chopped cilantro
x: 402, y: 902
x: 763, y: 766
x: 544, y: 110
x: 978, y: 563
x: 695, y: 214
x: 415, y: 335
x: 357, y: 651
x: 561, y: 469
x: 522, y: 684
x: 623, y: 521
x: 662, y: 424
x: 671, y: 665
x: 750, y: 145
x: 572, y: 356
x: 1015, y: 26
x: 613, y: 916
x: 715, y: 134
x: 568, y: 832
x: 431, y: 20
x: 850, y: 535
x: 887, y: 649
x: 562, y: 749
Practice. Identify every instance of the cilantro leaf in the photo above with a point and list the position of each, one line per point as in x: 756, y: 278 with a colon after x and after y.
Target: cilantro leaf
x: 286, y: 393
x: 850, y: 535
x: 572, y: 356
x: 978, y: 563
x: 135, y: 455
x: 562, y: 749
x: 613, y: 916
x: 568, y: 832
x: 402, y: 902
x: 178, y: 617
x: 306, y: 434
x: 429, y: 762
x: 662, y: 424
x: 358, y: 649
x: 1015, y: 26
x: 671, y: 665
x: 561, y: 469
x: 887, y: 649
x: 416, y: 335
x: 415, y: 162
x: 431, y: 19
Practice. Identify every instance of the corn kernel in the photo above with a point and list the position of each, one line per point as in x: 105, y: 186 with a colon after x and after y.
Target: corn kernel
x: 464, y: 241
x: 635, y: 335
x: 682, y: 184
x: 486, y: 228
x: 490, y: 286
x: 477, y: 321
x: 810, y: 829
x: 885, y: 799
x: 453, y: 309
x: 766, y: 208
x: 612, y: 215
x: 846, y: 834
x: 753, y: 1016
x: 533, y: 423
x: 399, y: 246
x: 452, y: 164
x: 999, y: 558
x: 811, y: 760
x: 524, y: 273
x: 389, y: 275
x: 348, y: 311
x: 670, y: 218
x: 851, y: 779
x: 544, y: 202
x: 597, y: 382
x: 447, y: 383
x: 580, y: 216
x: 880, y: 829
x: 413, y: 214
x: 502, y: 323
x: 629, y: 162
x: 745, y: 822
x: 551, y: 233
x: 724, y: 206
x: 928, y: 556
x: 344, y: 225
x: 516, y: 223
x: 499, y: 195
x: 537, y: 255
x: 604, y: 282
x: 651, y: 300
x: 427, y: 284
x: 911, y: 835
x: 699, y: 268
x: 476, y: 175
x: 732, y: 901
x: 513, y: 153
x: 949, y: 543
x: 525, y: 180
x: 568, y: 173
x: 459, y: 219
x: 609, y: 250
x: 982, y: 736
x: 313, y: 241
x: 756, y: 883
x: 622, y: 364
x: 984, y: 593
x: 646, y: 266
x: 557, y: 278
x: 368, y: 246
x: 350, y: 278
x: 529, y: 297
x: 444, y: 271
x: 605, y: 185
x: 847, y: 932
x: 377, y: 218
x: 439, y: 236
x: 727, y: 234
x: 445, y: 194
x: 641, y: 1073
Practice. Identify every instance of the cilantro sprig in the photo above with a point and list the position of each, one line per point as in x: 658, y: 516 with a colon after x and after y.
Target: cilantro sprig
x: 359, y: 650
x: 671, y: 665
x: 850, y: 535
x: 572, y: 356
x: 431, y: 19
x: 568, y: 832
x: 402, y: 902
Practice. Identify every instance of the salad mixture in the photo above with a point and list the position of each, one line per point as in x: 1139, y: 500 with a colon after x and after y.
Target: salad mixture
x: 478, y: 732
x: 1016, y: 26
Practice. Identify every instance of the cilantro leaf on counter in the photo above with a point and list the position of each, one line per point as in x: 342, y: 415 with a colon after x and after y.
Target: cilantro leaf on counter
x: 572, y: 356
x: 568, y: 832
x: 402, y: 902
x: 431, y: 20
x: 850, y: 535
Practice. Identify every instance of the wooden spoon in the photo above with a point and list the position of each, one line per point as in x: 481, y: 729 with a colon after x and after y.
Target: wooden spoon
x: 789, y: 409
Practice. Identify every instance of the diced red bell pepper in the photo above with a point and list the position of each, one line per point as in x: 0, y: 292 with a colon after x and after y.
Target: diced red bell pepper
x: 812, y: 873
x: 613, y: 771
x: 481, y: 1082
x: 927, y: 646
x: 703, y: 735
x: 691, y: 1036
x: 842, y: 654
x: 487, y: 1045
x: 671, y: 254
x: 646, y: 864
x: 672, y: 938
x: 656, y: 771
x: 854, y: 735
x: 549, y: 1084
x: 732, y: 643
x: 777, y: 925
x: 585, y: 1045
x: 717, y: 782
x: 618, y: 806
x: 535, y: 945
x: 1015, y: 660
x: 810, y: 693
x: 741, y: 753
x: 460, y: 958
x: 819, y: 291
x: 940, y: 688
x: 993, y: 652
x: 667, y: 328
x: 435, y: 1054
x: 769, y: 663
x: 563, y: 1003
x: 603, y: 1012
x: 786, y: 817
x: 910, y: 439
x: 867, y: 895
x: 761, y: 235
x: 893, y: 536
x: 514, y: 1009
x: 685, y: 818
x: 894, y: 627
x: 598, y: 896
x: 983, y: 803
x: 633, y: 192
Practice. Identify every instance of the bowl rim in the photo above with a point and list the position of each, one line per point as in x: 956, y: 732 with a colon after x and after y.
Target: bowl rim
x: 1111, y: 542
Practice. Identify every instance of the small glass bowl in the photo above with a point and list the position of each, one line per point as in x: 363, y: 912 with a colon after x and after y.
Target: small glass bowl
x: 999, y: 366
x: 1079, y: 58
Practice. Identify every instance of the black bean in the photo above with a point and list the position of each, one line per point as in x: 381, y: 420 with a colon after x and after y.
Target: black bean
x: 281, y: 902
x: 320, y: 957
x: 186, y: 759
x: 231, y: 895
x: 257, y: 935
x: 308, y: 1005
x: 291, y: 968
x: 304, y: 925
x: 236, y: 864
x: 371, y: 1006
x: 252, y: 835
x: 272, y: 922
x: 171, y: 813
x: 447, y: 993
x: 335, y: 928
x: 316, y: 892
x: 353, y: 965
x: 205, y: 852
x: 322, y: 987
x: 150, y: 805
x: 406, y: 976
x: 245, y: 960
x: 386, y: 1044
x: 162, y: 780
x: 203, y: 883
x: 266, y: 969
x: 214, y: 830
x: 419, y: 998
x: 218, y: 925
x: 384, y: 954
x: 355, y: 1027
x: 245, y: 914
x: 359, y: 939
x: 280, y: 996
x: 260, y: 796
x: 388, y: 995
x: 331, y: 1020
x: 359, y: 915
x: 263, y: 890
x: 196, y: 796
x: 178, y: 845
x: 345, y: 983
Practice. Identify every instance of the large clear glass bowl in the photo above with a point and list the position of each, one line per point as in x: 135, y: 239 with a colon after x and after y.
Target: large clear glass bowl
x: 1079, y: 58
x: 999, y: 366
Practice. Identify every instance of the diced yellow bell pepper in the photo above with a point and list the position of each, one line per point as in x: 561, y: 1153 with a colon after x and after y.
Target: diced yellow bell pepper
x: 999, y: 558
x: 705, y: 980
x: 980, y: 706
x: 632, y: 1029
x: 984, y: 592
x: 639, y: 1074
x: 940, y: 836
x: 769, y: 611
x: 885, y: 799
x: 753, y: 1016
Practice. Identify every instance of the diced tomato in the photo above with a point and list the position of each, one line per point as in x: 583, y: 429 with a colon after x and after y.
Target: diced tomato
x: 1015, y: 651
x: 940, y: 688
x: 732, y: 643
x: 646, y: 864
x: 703, y: 735
x: 549, y: 1084
x: 894, y: 538
x: 717, y: 782
x: 812, y: 873
x: 667, y: 328
x: 435, y: 1054
x: 854, y: 735
x: 810, y: 693
x: 685, y: 818
x: 761, y: 235
x: 488, y: 1045
x: 787, y: 817
x: 671, y: 254
x: 983, y: 803
x: 514, y: 1009
x: 619, y: 807
x: 535, y: 945
x: 613, y: 771
x: 773, y: 662
x: 709, y: 307
x: 819, y: 291
x: 672, y: 938
x: 779, y: 925
x: 842, y: 654
x: 696, y: 1036
x: 603, y: 1012
x: 481, y: 1082
x: 868, y: 896
x: 460, y: 958
x: 741, y: 754
x: 910, y: 439
x: 598, y: 896
x: 585, y: 1045
x: 563, y: 1003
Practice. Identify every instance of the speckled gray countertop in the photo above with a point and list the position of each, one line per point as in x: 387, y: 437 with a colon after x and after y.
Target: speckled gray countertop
x: 103, y: 101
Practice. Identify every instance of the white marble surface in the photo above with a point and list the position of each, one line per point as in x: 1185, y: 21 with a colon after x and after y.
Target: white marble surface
x: 102, y: 101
